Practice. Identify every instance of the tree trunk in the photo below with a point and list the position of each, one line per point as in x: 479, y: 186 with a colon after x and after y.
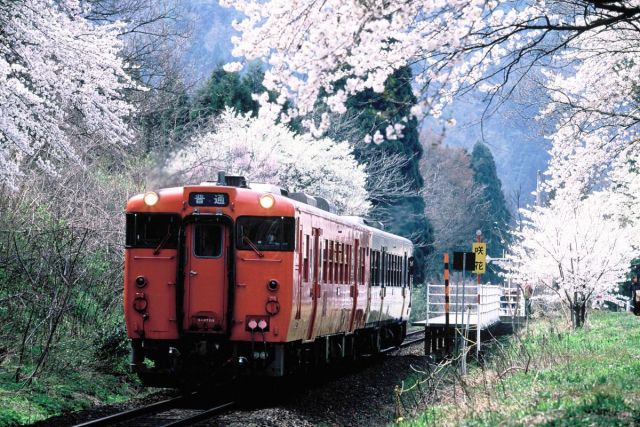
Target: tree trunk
x: 578, y: 313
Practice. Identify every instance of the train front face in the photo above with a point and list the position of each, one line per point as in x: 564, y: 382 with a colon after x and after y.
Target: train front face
x: 202, y: 265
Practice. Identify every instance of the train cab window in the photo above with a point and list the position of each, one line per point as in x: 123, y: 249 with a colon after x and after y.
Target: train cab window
x: 265, y: 233
x: 207, y: 240
x: 152, y: 230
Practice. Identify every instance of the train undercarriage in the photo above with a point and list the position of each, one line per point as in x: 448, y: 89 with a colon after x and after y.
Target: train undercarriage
x: 198, y: 360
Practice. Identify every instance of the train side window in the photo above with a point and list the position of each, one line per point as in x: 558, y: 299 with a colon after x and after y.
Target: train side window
x: 347, y: 257
x: 343, y: 256
x: 330, y: 278
x: 349, y: 269
x: 207, y: 240
x: 372, y: 271
x: 362, y: 264
x: 305, y: 271
x: 395, y: 271
x: 325, y: 260
x: 375, y: 259
x: 338, y: 266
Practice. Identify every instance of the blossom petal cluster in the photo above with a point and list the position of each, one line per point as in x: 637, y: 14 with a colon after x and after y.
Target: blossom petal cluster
x: 325, y: 52
x: 61, y: 84
x: 268, y: 152
x: 583, y: 247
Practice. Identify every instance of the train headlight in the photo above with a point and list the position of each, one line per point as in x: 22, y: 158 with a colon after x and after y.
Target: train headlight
x: 141, y: 281
x: 267, y: 201
x: 150, y: 198
x: 272, y: 285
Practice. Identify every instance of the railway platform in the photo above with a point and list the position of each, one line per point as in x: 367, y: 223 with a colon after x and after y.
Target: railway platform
x: 467, y: 310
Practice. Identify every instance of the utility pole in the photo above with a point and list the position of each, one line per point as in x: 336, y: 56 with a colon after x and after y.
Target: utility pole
x: 479, y: 307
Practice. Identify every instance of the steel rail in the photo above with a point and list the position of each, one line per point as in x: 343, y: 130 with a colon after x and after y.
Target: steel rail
x: 406, y: 343
x: 200, y: 416
x: 134, y: 413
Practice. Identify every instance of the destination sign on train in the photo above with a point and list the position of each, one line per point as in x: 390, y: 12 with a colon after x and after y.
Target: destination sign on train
x: 208, y: 199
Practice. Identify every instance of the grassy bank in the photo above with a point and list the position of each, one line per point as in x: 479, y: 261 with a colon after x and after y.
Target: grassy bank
x: 77, y: 375
x: 562, y: 378
x: 57, y: 394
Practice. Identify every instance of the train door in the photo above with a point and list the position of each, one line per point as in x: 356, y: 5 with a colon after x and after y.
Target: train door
x: 354, y: 283
x: 206, y: 279
x: 406, y: 292
x: 315, y: 282
x: 383, y: 265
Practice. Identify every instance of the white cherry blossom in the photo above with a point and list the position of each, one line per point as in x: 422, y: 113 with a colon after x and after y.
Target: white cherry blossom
x: 266, y: 152
x: 61, y: 84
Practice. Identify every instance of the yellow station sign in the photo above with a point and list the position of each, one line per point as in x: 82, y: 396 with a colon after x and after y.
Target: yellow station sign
x: 480, y: 249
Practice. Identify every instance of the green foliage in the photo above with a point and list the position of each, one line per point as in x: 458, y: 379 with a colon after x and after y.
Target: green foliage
x: 225, y: 89
x: 174, y: 119
x: 495, y: 225
x: 495, y: 221
x: 71, y: 390
x: 112, y: 349
x: 589, y: 377
x: 374, y: 111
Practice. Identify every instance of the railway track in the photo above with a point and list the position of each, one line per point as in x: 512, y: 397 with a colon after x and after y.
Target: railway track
x: 188, y: 409
x: 179, y: 411
x: 408, y: 340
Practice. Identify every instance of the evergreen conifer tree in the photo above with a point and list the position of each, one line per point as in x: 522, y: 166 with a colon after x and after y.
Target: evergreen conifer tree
x: 494, y: 222
x: 224, y: 89
x: 374, y: 111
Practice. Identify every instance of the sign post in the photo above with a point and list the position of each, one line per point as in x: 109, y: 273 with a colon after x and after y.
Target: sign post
x: 480, y: 251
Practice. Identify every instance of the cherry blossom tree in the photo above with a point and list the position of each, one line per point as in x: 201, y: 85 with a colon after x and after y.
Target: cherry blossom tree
x: 576, y: 251
x: 267, y: 152
x: 583, y: 51
x: 62, y: 86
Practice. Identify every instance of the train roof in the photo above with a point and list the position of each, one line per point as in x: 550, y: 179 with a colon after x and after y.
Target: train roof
x: 174, y: 197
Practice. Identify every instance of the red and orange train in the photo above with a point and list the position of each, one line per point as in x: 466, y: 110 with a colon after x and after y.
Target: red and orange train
x: 221, y: 279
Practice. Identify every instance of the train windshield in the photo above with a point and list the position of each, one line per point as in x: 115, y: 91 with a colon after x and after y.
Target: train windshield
x: 265, y: 233
x: 152, y: 230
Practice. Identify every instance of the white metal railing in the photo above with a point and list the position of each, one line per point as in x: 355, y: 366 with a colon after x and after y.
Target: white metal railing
x: 512, y: 301
x: 468, y: 303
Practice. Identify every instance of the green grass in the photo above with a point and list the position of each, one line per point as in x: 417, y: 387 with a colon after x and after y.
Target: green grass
x: 587, y: 377
x: 58, y: 393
